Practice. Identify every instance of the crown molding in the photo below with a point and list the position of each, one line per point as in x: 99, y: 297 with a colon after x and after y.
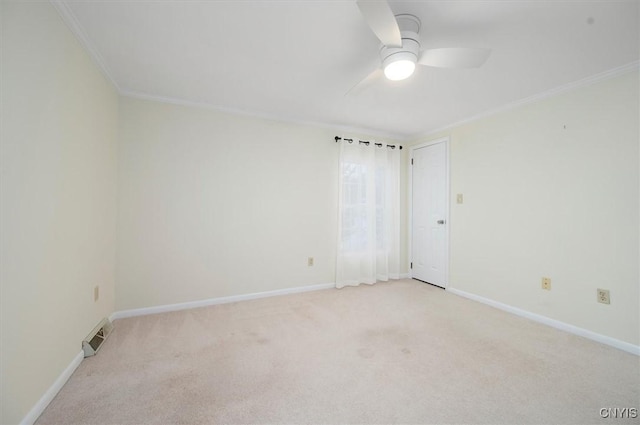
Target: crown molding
x: 69, y: 18
x: 72, y: 23
x: 262, y: 115
x: 584, y: 82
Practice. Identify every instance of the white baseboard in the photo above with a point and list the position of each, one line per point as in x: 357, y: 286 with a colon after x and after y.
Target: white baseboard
x: 213, y: 301
x: 616, y: 343
x: 44, y: 401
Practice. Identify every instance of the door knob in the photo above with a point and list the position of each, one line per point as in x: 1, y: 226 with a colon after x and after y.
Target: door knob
x: 441, y: 221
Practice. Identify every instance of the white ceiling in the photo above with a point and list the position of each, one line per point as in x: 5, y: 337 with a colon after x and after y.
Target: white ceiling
x: 295, y: 60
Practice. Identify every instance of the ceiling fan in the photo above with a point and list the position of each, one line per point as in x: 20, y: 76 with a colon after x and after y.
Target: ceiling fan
x: 400, y: 50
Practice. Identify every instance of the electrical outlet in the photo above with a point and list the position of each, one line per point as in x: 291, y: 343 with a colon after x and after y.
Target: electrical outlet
x: 310, y: 261
x: 96, y: 293
x: 603, y: 296
x: 546, y: 283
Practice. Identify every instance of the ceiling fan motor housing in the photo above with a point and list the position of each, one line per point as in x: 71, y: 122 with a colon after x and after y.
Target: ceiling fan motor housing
x: 409, y: 27
x: 409, y: 50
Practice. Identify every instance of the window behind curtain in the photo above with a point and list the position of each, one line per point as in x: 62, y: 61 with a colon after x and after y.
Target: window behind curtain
x: 368, y: 240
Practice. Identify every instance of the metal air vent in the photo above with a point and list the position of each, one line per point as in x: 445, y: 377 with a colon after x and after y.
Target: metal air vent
x: 96, y: 338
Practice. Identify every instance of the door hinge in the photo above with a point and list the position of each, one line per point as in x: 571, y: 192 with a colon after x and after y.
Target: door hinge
x: 411, y: 161
x: 411, y: 265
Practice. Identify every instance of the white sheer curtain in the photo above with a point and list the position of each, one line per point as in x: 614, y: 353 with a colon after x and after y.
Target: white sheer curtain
x: 369, y: 216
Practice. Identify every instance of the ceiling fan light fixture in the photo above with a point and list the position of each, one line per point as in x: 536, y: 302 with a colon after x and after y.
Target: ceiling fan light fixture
x: 399, y: 70
x: 400, y: 62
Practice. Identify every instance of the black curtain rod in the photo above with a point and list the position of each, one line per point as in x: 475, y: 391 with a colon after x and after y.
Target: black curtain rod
x: 365, y: 142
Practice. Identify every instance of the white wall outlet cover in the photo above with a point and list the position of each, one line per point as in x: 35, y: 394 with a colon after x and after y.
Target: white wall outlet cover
x: 603, y: 296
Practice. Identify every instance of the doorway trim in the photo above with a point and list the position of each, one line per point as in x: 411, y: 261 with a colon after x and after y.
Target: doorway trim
x: 444, y: 140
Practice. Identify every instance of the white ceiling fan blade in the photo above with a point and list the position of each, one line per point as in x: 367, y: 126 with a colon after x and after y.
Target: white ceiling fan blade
x: 365, y: 83
x: 455, y: 57
x: 382, y: 22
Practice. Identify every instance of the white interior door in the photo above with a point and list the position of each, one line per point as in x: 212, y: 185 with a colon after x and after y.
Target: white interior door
x: 429, y: 205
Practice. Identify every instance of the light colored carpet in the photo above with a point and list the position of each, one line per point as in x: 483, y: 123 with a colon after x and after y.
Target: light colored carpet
x: 400, y: 352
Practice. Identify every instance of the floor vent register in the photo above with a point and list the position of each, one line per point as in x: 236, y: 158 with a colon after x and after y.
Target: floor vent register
x: 96, y: 338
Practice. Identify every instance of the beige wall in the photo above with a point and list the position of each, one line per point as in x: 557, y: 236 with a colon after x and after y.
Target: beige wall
x: 58, y: 197
x: 551, y: 189
x: 212, y: 204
